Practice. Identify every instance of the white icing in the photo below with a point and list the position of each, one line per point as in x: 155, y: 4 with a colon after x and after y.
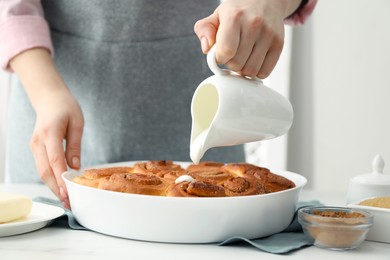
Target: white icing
x: 184, y: 178
x: 196, y: 148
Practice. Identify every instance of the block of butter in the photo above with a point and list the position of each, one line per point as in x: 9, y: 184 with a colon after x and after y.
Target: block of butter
x: 13, y: 207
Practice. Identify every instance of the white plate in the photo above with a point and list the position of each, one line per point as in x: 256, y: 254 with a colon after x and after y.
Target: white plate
x: 41, y: 215
x: 182, y: 220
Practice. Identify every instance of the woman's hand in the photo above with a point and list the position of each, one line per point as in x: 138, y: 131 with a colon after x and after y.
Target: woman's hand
x: 249, y: 34
x: 58, y: 119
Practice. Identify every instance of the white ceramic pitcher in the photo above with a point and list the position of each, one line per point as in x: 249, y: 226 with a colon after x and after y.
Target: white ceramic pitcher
x: 229, y: 109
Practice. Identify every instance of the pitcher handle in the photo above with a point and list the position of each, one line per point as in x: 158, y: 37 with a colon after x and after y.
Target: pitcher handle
x: 212, y: 63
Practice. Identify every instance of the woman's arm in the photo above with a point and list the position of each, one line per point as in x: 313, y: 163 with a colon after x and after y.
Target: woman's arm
x: 27, y: 50
x: 22, y: 27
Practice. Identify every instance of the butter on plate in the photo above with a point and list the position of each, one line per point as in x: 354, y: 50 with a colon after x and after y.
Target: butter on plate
x: 13, y: 207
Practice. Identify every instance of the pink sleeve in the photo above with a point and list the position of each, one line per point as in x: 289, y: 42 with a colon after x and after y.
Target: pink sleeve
x: 22, y: 27
x: 303, y: 12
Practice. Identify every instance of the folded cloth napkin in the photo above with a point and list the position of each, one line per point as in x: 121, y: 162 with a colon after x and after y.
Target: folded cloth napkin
x: 65, y: 220
x: 292, y: 238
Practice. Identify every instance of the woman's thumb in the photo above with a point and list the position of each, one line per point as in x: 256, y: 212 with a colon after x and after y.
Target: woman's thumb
x: 206, y: 30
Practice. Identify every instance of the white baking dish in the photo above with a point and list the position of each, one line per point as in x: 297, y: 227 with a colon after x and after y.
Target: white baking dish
x: 182, y: 220
x: 380, y: 231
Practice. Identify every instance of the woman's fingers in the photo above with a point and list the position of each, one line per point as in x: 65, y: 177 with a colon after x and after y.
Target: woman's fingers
x: 264, y: 56
x: 56, y: 157
x: 42, y: 163
x: 73, y: 142
x: 228, y: 36
x: 206, y: 30
x: 269, y: 63
x: 48, y: 150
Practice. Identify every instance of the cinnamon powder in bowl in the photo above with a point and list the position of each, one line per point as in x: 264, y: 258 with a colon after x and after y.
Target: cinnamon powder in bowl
x: 335, y: 228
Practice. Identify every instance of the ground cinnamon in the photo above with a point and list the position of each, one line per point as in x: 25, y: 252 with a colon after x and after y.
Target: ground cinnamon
x: 338, y: 214
x: 380, y: 202
x: 336, y: 229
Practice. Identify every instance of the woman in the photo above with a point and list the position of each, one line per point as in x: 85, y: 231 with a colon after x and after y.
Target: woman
x: 121, y: 75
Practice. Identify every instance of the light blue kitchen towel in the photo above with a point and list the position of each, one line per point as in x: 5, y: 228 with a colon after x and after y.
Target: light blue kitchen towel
x: 290, y: 239
x: 65, y: 220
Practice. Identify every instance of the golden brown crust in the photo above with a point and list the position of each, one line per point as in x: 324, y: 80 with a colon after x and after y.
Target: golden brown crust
x: 104, y: 172
x: 94, y: 183
x: 156, y: 166
x: 208, y: 172
x: 136, y: 183
x: 195, y: 189
x: 242, y: 169
x: 270, y: 181
x: 208, y: 165
x: 91, y: 177
x: 163, y: 169
x: 170, y: 176
x: 242, y: 186
x: 212, y: 179
x: 214, y: 176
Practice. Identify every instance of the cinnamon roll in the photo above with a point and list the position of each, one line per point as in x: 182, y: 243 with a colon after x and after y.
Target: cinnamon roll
x: 273, y: 182
x: 211, y: 172
x: 208, y: 179
x: 169, y: 175
x: 136, y: 183
x: 195, y: 189
x: 207, y: 165
x: 156, y: 167
x: 163, y: 169
x: 92, y: 177
x: 240, y: 186
x: 270, y: 181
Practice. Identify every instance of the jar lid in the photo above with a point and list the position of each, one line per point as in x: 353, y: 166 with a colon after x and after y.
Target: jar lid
x: 376, y: 176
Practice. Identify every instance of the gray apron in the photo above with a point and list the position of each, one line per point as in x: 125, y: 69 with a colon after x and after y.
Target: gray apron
x: 133, y: 66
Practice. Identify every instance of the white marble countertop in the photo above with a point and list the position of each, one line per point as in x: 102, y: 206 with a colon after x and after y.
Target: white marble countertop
x: 60, y: 243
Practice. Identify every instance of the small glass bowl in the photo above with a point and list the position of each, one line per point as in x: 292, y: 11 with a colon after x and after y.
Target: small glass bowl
x: 335, y: 228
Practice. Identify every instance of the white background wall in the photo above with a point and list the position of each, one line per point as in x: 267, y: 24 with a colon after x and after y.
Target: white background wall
x: 341, y: 92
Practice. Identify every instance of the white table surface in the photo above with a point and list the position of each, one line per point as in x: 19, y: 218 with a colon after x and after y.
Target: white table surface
x: 60, y: 243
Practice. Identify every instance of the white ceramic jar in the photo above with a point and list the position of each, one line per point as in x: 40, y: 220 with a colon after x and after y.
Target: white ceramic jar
x: 374, y: 184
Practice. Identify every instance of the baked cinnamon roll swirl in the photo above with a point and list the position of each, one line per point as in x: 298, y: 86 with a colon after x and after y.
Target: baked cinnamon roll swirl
x: 156, y: 167
x: 273, y: 182
x: 206, y: 179
x: 136, y: 183
x: 163, y: 169
x: 195, y: 189
x: 213, y: 176
x: 240, y: 186
x: 207, y: 165
x: 92, y: 177
x: 211, y: 172
x: 169, y: 175
x: 270, y: 181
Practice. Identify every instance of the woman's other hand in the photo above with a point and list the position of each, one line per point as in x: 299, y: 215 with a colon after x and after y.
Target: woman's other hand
x: 58, y: 119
